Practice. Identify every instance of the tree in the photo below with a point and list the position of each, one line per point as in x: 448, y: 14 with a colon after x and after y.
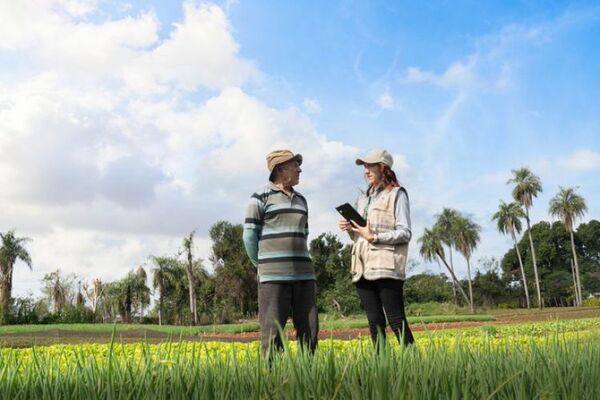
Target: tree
x: 332, y: 261
x: 489, y: 289
x: 568, y: 206
x: 58, y: 289
x: 141, y: 292
x: 446, y: 228
x: 125, y: 292
x: 426, y: 287
x: 12, y: 248
x: 163, y: 278
x: 188, y: 244
x: 588, y: 234
x: 431, y: 249
x: 527, y: 186
x: 466, y: 239
x: 553, y: 248
x: 176, y: 294
x: 508, y: 219
x: 94, y: 294
x: 234, y: 275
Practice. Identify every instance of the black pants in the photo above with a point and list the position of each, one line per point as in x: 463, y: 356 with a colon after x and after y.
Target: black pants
x: 276, y: 302
x: 381, y: 298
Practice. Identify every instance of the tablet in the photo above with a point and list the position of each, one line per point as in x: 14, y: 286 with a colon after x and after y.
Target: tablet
x: 350, y: 214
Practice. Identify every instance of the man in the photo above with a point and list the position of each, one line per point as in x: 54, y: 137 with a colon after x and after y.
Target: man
x: 275, y: 238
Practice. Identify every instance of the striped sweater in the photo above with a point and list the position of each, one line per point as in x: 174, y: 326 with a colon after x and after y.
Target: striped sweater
x: 275, y: 235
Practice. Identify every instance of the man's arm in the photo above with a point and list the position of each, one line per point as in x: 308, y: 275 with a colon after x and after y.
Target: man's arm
x: 253, y: 224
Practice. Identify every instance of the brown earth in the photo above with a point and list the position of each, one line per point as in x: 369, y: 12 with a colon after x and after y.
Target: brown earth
x: 56, y: 336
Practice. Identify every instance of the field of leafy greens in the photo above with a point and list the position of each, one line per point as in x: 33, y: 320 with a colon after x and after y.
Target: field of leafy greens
x: 542, y: 360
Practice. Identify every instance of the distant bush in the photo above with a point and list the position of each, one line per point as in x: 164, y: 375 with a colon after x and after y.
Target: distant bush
x: 504, y: 306
x: 591, y: 302
x: 433, y: 308
x: 23, y: 310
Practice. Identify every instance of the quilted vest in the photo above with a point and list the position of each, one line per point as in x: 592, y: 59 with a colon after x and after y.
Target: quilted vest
x: 374, y: 260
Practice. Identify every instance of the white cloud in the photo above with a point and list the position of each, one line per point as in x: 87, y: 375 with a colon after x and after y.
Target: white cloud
x: 457, y: 75
x: 199, y: 52
x: 386, y: 101
x: 582, y: 160
x: 495, y: 178
x: 311, y: 106
x: 104, y: 160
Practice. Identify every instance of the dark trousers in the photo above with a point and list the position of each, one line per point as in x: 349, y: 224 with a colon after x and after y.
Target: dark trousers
x: 381, y: 298
x: 279, y: 300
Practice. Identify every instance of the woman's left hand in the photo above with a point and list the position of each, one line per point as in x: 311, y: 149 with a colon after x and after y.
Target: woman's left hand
x: 364, y: 231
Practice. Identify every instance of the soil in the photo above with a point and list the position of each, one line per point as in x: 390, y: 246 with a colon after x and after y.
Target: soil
x: 56, y: 336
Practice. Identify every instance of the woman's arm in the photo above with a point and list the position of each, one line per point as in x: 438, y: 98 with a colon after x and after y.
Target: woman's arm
x: 401, y: 232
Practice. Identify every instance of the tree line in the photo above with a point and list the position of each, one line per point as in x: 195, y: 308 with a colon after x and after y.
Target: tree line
x: 563, y: 264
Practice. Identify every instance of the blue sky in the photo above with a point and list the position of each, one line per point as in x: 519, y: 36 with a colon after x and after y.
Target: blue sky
x: 149, y: 119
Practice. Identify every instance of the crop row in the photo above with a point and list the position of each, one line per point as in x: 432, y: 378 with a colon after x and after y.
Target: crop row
x: 554, y: 360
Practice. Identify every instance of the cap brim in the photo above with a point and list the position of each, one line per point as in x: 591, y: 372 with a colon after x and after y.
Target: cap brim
x: 360, y: 161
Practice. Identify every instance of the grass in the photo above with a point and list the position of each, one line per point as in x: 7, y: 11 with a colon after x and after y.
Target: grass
x: 348, y: 323
x: 477, y: 367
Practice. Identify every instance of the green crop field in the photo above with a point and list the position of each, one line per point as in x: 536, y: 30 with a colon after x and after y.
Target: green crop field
x: 557, y: 359
x: 349, y: 323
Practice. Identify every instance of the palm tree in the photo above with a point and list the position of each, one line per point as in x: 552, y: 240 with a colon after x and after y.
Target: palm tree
x: 142, y: 292
x: 467, y: 238
x: 508, y: 218
x: 568, y: 206
x: 527, y: 186
x: 12, y: 248
x: 188, y: 244
x: 162, y: 276
x: 446, y: 228
x: 432, y: 249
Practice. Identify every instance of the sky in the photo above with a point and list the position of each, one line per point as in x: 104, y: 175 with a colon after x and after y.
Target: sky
x: 126, y: 125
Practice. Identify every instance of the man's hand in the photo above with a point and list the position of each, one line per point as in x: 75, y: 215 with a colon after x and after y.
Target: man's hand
x: 364, y: 231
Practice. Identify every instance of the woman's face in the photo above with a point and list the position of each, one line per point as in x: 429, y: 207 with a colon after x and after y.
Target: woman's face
x: 373, y: 174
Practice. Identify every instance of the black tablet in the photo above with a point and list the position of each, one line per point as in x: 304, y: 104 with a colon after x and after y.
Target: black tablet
x: 350, y: 214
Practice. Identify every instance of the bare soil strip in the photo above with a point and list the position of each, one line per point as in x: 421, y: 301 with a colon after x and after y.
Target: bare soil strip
x: 58, y: 336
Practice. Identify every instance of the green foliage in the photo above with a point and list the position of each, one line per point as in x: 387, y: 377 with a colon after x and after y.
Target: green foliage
x: 25, y: 310
x: 588, y: 240
x: 591, y: 302
x: 434, y: 309
x: 235, y: 283
x: 426, y: 287
x: 12, y: 248
x: 489, y: 288
x: 461, y: 364
x: 336, y: 293
x: 553, y: 249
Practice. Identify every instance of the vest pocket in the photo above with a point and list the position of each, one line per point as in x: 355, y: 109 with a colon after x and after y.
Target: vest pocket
x: 380, y: 256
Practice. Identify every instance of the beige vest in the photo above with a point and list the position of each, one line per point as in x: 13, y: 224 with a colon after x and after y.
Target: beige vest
x: 376, y: 261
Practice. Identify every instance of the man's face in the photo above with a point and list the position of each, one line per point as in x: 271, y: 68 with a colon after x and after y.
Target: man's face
x: 289, y: 173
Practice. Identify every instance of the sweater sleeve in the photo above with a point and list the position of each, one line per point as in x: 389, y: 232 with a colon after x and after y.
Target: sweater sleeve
x: 401, y: 232
x: 253, y: 224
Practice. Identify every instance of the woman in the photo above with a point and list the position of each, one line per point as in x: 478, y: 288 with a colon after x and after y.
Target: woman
x: 380, y: 248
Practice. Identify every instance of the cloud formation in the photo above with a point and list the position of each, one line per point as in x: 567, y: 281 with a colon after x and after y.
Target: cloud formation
x: 582, y: 160
x: 105, y: 159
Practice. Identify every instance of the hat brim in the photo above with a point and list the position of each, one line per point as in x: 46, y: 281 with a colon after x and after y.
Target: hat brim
x: 298, y: 157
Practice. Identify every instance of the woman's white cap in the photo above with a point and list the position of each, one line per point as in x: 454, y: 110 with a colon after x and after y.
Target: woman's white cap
x: 376, y: 156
